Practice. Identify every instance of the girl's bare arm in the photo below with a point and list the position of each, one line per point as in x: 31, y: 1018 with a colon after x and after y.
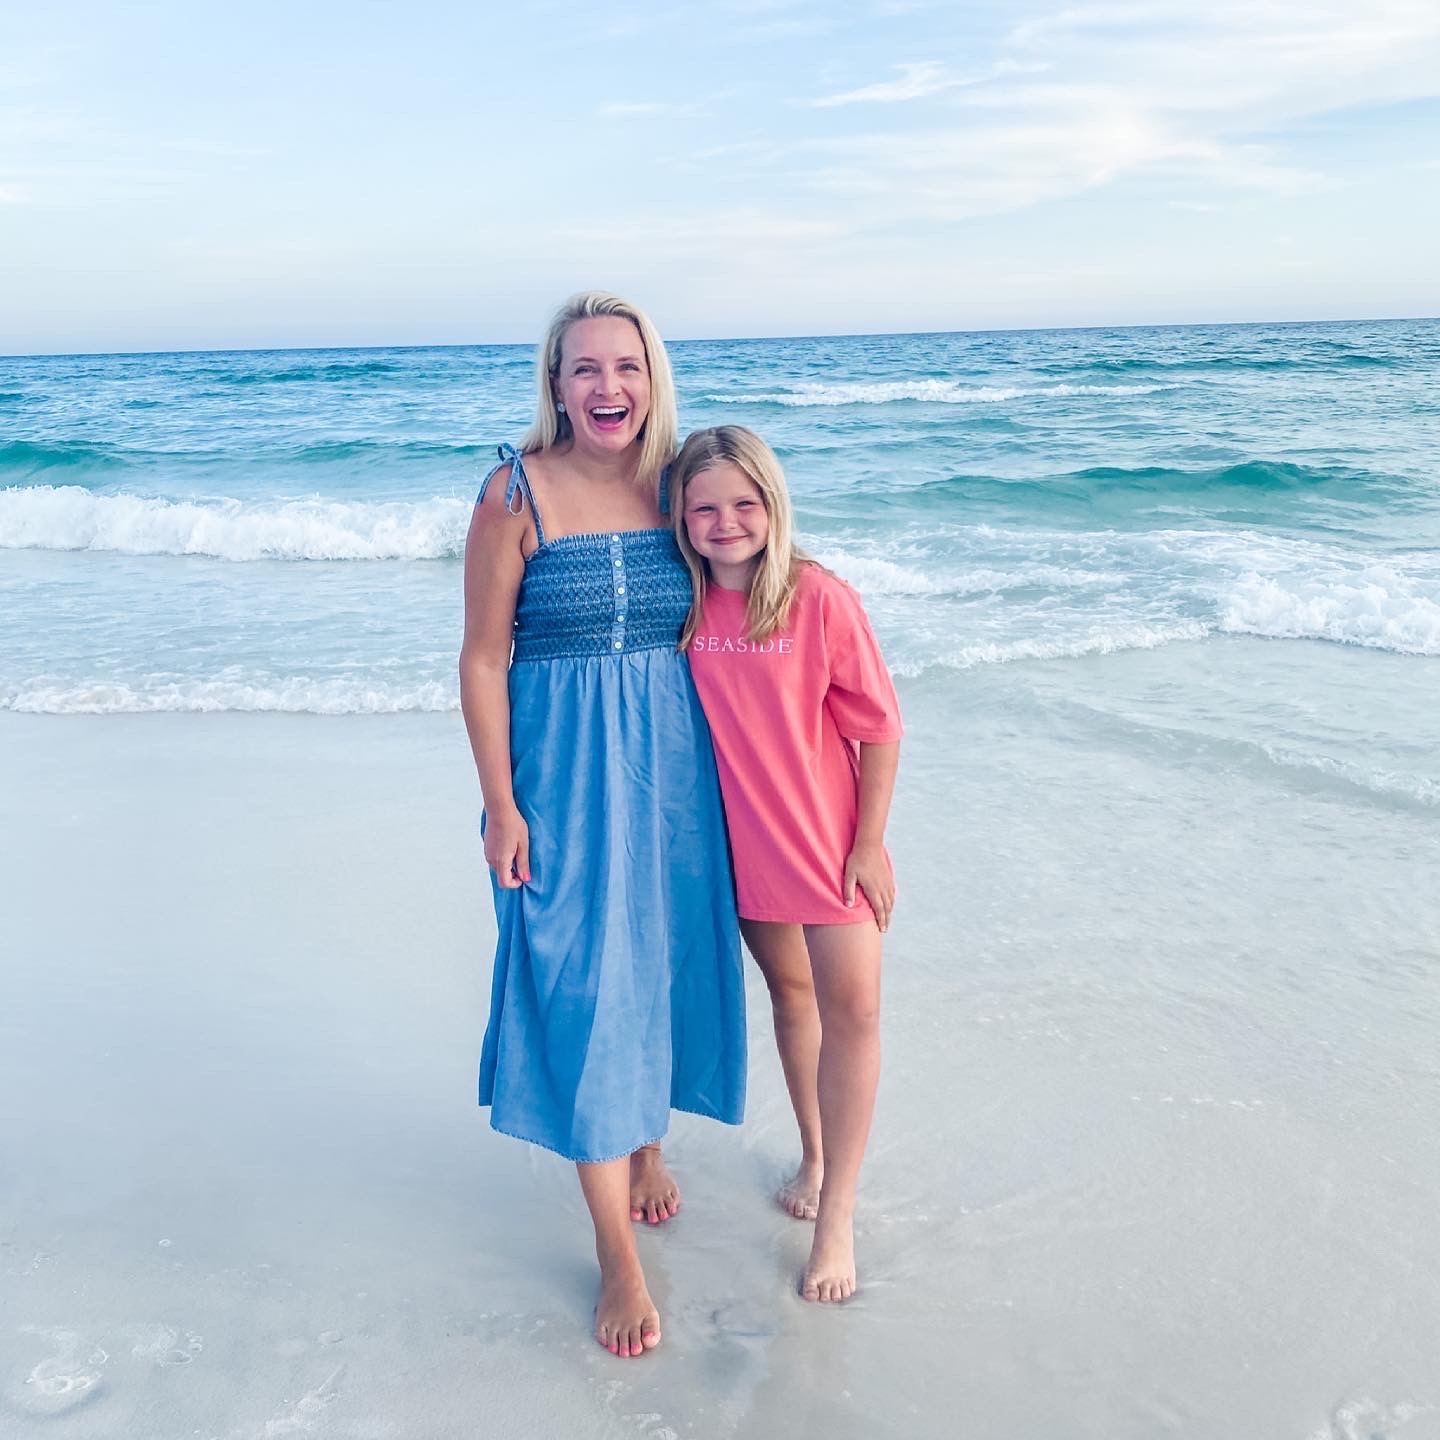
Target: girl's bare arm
x: 866, y: 865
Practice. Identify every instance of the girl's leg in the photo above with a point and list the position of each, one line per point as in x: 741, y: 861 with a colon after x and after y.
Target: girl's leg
x: 845, y: 960
x: 626, y: 1321
x: 780, y: 952
x: 654, y: 1195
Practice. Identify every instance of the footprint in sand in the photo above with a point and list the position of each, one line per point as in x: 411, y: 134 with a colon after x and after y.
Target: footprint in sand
x: 63, y: 1380
x: 162, y: 1345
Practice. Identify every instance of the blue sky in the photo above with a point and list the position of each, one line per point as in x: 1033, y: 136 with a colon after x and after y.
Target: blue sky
x: 181, y: 176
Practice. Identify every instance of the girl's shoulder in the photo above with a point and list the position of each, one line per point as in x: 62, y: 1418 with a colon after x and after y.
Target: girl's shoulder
x: 816, y: 585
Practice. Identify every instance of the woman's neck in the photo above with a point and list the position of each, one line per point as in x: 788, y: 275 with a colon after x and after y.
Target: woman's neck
x: 604, y: 468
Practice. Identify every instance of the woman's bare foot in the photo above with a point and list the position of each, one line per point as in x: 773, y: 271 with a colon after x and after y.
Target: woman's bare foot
x: 654, y: 1195
x: 800, y: 1194
x: 626, y: 1320
x: 830, y: 1272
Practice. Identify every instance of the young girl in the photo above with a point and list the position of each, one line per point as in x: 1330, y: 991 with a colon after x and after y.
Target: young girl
x: 806, y: 729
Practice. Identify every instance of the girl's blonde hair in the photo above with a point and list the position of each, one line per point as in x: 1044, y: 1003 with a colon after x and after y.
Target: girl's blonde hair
x: 773, y: 587
x: 662, y: 425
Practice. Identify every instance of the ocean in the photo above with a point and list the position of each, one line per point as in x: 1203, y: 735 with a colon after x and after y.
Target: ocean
x: 1154, y: 1151
x: 282, y: 530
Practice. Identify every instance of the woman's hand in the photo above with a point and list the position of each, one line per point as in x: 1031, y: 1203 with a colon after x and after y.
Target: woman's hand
x: 507, y: 848
x: 868, y: 867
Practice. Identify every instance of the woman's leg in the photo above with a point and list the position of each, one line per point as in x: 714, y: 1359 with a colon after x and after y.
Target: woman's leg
x: 780, y: 952
x: 654, y: 1195
x: 845, y: 961
x: 626, y: 1321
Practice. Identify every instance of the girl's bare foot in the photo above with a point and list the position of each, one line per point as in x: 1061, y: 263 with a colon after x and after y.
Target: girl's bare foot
x: 830, y: 1272
x: 626, y: 1320
x: 800, y: 1194
x: 654, y: 1195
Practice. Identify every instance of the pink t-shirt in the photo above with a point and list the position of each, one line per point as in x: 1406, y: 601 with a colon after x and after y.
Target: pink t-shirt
x: 785, y: 715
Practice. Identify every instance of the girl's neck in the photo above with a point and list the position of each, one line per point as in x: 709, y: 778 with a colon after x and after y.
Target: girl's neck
x: 734, y: 577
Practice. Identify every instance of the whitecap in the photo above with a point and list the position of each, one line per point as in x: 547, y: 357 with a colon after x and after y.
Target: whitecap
x: 1374, y: 607
x: 1093, y: 642
x: 67, y: 517
x: 934, y: 392
x: 297, y: 696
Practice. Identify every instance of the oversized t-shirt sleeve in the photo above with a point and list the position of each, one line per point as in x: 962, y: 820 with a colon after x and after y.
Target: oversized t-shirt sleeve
x: 861, y: 696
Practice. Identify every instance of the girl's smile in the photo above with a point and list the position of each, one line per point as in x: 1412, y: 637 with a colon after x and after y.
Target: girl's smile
x: 726, y: 520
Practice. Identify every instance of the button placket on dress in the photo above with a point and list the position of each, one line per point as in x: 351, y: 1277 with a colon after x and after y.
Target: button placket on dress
x: 617, y: 571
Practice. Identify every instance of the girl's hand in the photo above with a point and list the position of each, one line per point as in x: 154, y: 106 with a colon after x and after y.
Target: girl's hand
x: 507, y: 848
x: 867, y: 866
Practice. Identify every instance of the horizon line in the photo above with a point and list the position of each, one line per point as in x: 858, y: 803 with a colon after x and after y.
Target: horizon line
x: 725, y: 339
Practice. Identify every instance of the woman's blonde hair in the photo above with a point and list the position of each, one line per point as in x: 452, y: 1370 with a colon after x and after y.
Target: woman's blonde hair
x: 662, y: 425
x: 773, y: 587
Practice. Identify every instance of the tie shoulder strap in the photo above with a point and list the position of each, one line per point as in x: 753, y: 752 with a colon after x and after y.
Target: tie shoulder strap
x: 519, y: 481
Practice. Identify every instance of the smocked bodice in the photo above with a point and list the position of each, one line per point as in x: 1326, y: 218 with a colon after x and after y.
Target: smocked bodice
x: 607, y: 594
x: 610, y: 593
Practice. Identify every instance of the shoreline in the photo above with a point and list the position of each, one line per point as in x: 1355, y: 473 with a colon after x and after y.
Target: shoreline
x: 1145, y: 1111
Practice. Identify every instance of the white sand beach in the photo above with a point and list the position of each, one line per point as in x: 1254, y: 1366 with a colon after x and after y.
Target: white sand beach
x: 1155, y: 1151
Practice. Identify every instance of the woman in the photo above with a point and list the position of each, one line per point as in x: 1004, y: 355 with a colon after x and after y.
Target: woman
x: 618, y: 990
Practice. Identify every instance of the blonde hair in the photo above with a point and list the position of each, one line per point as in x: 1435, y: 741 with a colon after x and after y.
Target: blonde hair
x: 773, y: 587
x: 662, y: 425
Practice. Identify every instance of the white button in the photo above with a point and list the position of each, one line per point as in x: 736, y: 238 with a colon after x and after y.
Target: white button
x: 619, y: 643
x: 617, y: 564
x: 614, y: 537
x: 619, y: 589
x: 619, y: 617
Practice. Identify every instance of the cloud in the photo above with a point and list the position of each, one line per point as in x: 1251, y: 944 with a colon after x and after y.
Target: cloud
x: 727, y: 233
x: 619, y: 109
x: 1131, y: 91
x: 917, y: 82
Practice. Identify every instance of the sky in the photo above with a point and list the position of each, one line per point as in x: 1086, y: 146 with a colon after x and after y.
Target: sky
x: 191, y: 176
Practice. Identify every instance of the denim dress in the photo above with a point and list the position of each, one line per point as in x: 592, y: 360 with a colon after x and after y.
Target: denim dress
x: 618, y: 992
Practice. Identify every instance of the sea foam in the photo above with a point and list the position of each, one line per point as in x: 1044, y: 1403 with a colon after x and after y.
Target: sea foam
x: 872, y: 575
x: 1093, y: 642
x: 296, y: 696
x: 1375, y: 607
x: 934, y: 392
x: 67, y: 517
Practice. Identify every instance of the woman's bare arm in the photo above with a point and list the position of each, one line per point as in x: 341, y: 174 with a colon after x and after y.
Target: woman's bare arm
x: 494, y: 565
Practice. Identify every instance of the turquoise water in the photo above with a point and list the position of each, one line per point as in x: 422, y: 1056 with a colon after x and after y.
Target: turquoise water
x: 281, y: 530
x: 1154, y: 1151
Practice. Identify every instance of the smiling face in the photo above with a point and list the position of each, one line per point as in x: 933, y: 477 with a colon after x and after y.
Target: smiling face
x: 604, y: 383
x: 727, y: 523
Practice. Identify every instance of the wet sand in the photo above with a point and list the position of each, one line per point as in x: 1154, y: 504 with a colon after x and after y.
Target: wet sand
x: 1154, y: 1152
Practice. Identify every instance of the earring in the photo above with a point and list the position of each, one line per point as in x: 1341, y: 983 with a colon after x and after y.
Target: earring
x: 560, y: 406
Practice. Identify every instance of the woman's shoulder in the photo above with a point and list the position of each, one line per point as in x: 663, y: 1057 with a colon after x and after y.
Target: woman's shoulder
x: 495, y: 507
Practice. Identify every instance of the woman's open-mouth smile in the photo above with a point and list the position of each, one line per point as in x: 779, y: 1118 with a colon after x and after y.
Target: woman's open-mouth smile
x: 609, y: 417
